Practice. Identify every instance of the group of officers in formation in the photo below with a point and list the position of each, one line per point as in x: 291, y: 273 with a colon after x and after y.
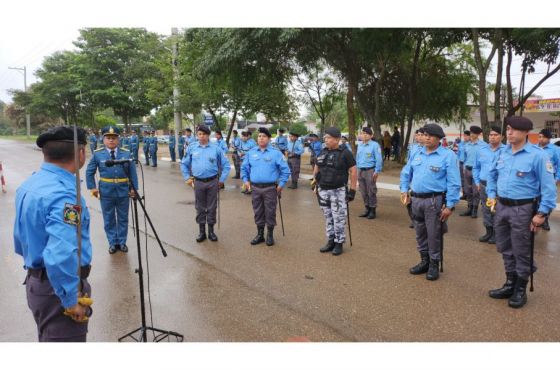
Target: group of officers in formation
x: 513, y: 183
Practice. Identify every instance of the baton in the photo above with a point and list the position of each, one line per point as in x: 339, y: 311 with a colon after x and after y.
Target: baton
x: 441, y: 247
x: 218, y: 205
x: 281, y: 215
x: 349, y: 228
x: 532, y: 257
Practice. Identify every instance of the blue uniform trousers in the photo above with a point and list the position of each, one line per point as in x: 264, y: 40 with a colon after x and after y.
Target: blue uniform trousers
x: 115, y: 219
x: 172, y: 153
x: 147, y: 155
x: 153, y: 156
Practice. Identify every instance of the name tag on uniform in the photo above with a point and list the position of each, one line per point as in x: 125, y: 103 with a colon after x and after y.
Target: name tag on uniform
x: 549, y: 167
x: 71, y: 214
x: 196, y: 154
x: 435, y: 169
x: 255, y: 156
x: 267, y: 159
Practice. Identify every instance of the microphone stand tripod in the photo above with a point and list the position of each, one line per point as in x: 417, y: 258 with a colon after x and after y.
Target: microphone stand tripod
x: 143, y: 329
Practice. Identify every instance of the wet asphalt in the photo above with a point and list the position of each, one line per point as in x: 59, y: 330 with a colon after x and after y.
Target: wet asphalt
x: 231, y: 291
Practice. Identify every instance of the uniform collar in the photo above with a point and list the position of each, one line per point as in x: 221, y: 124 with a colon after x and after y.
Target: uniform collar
x: 439, y: 150
x: 58, y: 171
x: 528, y: 147
x: 116, y: 150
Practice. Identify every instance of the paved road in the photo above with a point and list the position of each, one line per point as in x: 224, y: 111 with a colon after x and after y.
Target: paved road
x: 231, y: 291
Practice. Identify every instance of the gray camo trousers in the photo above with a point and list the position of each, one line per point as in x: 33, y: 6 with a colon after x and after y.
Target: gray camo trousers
x: 333, y: 205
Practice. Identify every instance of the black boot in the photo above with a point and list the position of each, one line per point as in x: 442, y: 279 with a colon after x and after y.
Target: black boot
x: 202, y: 233
x: 468, y: 212
x: 422, y: 267
x: 371, y: 215
x: 366, y: 212
x: 236, y: 175
x: 270, y: 235
x: 433, y: 270
x: 492, y: 239
x: 328, y: 247
x: 506, y: 291
x: 484, y: 238
x: 337, y: 250
x: 474, y: 213
x: 519, y: 297
x: 213, y: 237
x: 260, y: 236
x: 293, y: 185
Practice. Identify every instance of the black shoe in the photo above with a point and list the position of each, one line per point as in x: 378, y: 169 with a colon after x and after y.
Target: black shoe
x: 468, y: 212
x: 492, y: 239
x: 123, y: 248
x: 202, y: 233
x: 519, y: 297
x: 371, y: 215
x: 112, y: 249
x: 270, y: 235
x: 474, y: 213
x: 484, y: 238
x: 422, y: 267
x: 293, y: 185
x: 366, y: 212
x: 463, y: 197
x: 411, y: 226
x: 433, y: 270
x: 260, y: 236
x: 337, y: 250
x: 506, y: 291
x: 211, y: 234
x: 328, y: 247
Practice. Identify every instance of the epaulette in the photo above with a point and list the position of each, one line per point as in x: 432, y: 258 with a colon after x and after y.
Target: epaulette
x: 97, y: 150
x: 124, y: 149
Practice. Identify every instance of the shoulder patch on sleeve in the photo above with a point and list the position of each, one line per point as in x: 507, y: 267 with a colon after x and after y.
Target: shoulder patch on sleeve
x: 71, y: 214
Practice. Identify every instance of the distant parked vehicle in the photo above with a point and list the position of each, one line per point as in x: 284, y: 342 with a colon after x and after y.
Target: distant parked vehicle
x: 163, y: 139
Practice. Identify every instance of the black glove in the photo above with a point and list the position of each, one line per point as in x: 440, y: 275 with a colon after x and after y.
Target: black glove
x: 350, y: 195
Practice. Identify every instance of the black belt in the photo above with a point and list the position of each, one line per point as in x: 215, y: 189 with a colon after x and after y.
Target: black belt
x: 426, y: 195
x: 483, y: 182
x: 515, y: 202
x: 366, y: 169
x: 468, y: 168
x: 42, y: 272
x: 208, y: 179
x: 264, y: 185
x: 294, y: 156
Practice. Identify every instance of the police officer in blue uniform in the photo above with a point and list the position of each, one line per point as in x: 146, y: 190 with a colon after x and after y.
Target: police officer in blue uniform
x: 264, y: 172
x: 153, y: 148
x: 482, y: 163
x: 369, y: 161
x: 45, y: 236
x: 221, y: 142
x: 146, y: 147
x: 294, y: 151
x: 134, y: 144
x: 522, y: 190
x: 461, y: 156
x: 344, y: 143
x: 315, y: 148
x: 172, y: 146
x: 471, y: 191
x: 124, y: 141
x: 247, y: 143
x: 236, y: 145
x: 113, y: 189
x: 206, y: 168
x: 181, y: 147
x: 281, y: 141
x: 92, y: 141
x: 553, y: 153
x: 433, y: 176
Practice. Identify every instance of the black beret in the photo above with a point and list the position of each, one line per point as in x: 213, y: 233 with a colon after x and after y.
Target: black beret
x: 245, y: 133
x: 188, y: 129
x: 344, y: 137
x: 61, y: 133
x: 367, y: 130
x: 281, y: 129
x: 497, y: 129
x: 333, y: 131
x: 421, y: 130
x: 294, y: 133
x: 519, y: 123
x: 264, y: 130
x: 546, y: 133
x: 235, y: 131
x: 219, y: 132
x: 313, y: 135
x: 475, y: 129
x: 203, y: 128
x: 434, y: 130
x: 466, y: 132
x: 110, y: 130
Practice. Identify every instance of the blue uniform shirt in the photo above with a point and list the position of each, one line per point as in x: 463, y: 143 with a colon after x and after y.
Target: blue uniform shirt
x: 146, y: 142
x: 315, y: 147
x: 205, y: 161
x: 433, y: 173
x: 282, y: 142
x: 110, y: 189
x: 553, y: 153
x: 133, y: 142
x: 412, y: 151
x: 470, y: 151
x: 172, y: 141
x: 483, y: 161
x: 44, y: 234
x: 265, y: 166
x: 295, y: 147
x: 247, y: 145
x: 236, y: 143
x: 181, y: 140
x: 222, y: 145
x: 153, y: 144
x: 369, y: 155
x: 524, y: 175
x: 461, y: 150
x: 93, y: 140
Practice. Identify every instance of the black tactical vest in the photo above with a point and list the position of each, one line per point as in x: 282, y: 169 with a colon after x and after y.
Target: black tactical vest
x: 333, y: 170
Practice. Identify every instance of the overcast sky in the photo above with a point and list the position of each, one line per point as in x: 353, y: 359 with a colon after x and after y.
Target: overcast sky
x: 30, y: 31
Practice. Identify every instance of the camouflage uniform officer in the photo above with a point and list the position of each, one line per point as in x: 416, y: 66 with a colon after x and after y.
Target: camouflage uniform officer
x: 331, y: 176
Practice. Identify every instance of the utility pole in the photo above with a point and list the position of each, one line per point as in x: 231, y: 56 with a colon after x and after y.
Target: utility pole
x: 27, y: 115
x: 176, y: 113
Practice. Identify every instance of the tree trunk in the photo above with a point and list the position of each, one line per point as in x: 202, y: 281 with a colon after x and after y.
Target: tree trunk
x: 509, y: 102
x: 411, y: 100
x: 377, y: 100
x: 231, y: 124
x: 498, y: 89
x: 482, y: 68
x: 351, y: 118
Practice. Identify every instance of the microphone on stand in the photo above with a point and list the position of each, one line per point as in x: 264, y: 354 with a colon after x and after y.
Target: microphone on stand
x: 113, y: 162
